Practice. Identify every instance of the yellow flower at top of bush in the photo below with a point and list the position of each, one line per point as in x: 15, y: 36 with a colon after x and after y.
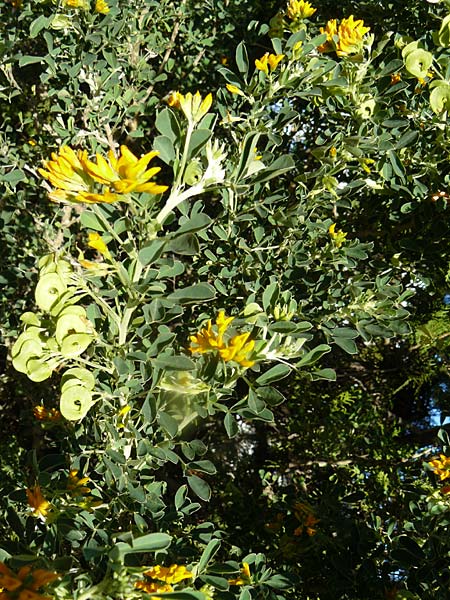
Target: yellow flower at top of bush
x: 76, y: 178
x: 299, y: 9
x: 101, y: 7
x: 24, y: 584
x: 268, y: 61
x: 441, y: 466
x: 193, y: 106
x: 350, y: 34
x: 237, y: 348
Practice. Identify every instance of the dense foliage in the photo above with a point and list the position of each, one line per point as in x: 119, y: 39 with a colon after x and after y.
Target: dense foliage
x: 225, y: 333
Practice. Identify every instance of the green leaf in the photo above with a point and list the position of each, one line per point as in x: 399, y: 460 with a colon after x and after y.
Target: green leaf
x: 200, y: 487
x: 151, y: 252
x: 208, y: 553
x: 29, y: 60
x: 279, y: 166
x: 220, y: 583
x: 204, y: 466
x: 91, y: 221
x: 185, y: 245
x: 167, y: 124
x: 270, y: 296
x: 37, y: 25
x: 274, y: 374
x: 198, y: 292
x: 242, y: 59
x: 174, y: 363
x: 151, y: 542
x: 314, y: 355
x: 347, y: 344
x: 231, y: 426
x: 168, y: 423
x: 198, y: 140
x: 164, y: 146
x: 196, y: 222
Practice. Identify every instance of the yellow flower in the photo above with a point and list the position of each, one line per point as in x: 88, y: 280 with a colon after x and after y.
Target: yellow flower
x: 41, y: 507
x: 165, y: 576
x: 338, y: 236
x: 75, y: 485
x: 126, y: 173
x: 76, y: 178
x: 24, y: 584
x: 192, y: 105
x: 152, y: 587
x: 96, y: 242
x: 238, y: 349
x: 233, y: 89
x: 75, y: 3
x: 299, y: 10
x: 101, y: 7
x: 395, y: 78
x: 42, y: 414
x: 441, y: 467
x: 244, y: 578
x: 305, y: 515
x: 350, y: 35
x: 268, y: 60
x: 208, y: 340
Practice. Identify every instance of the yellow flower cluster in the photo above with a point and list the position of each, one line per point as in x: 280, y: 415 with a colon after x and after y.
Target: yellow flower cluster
x: 305, y: 515
x: 349, y: 34
x: 43, y: 414
x: 337, y: 235
x: 193, y: 106
x: 77, y: 179
x: 165, y: 576
x: 268, y: 61
x: 24, y: 584
x: 41, y: 507
x: 77, y: 486
x: 244, y: 577
x: 298, y: 10
x: 237, y: 348
x: 101, y: 6
x: 441, y: 466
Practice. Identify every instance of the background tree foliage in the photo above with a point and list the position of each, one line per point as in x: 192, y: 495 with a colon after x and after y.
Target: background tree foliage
x: 320, y: 471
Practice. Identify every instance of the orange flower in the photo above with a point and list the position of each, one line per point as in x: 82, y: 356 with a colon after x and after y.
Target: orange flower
x: 43, y: 414
x: 24, y: 584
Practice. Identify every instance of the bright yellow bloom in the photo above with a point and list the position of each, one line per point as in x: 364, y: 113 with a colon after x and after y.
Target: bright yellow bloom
x: 299, y: 9
x: 101, y: 7
x: 96, y: 242
x: 42, y: 414
x: 126, y: 173
x: 172, y: 574
x: 153, y: 587
x: 40, y: 506
x: 441, y: 467
x: 338, y: 236
x: 268, y: 61
x: 244, y: 578
x: 192, y: 105
x: 350, y: 35
x: 75, y: 485
x: 233, y: 89
x: 24, y: 584
x: 236, y: 348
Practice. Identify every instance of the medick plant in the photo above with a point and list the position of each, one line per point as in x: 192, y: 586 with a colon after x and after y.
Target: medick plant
x: 199, y: 268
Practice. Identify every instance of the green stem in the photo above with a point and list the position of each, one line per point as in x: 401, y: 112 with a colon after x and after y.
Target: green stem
x: 128, y: 312
x: 106, y: 224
